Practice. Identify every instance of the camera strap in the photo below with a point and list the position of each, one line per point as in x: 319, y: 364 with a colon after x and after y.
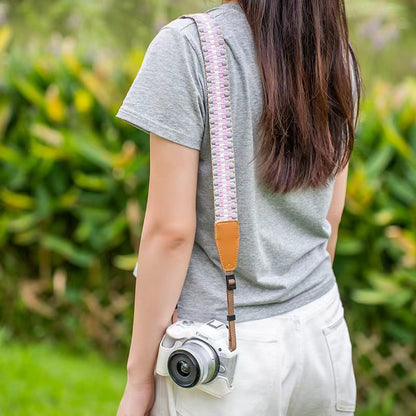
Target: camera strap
x: 222, y: 154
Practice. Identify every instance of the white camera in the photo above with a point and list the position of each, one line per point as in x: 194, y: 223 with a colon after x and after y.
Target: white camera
x: 196, y: 354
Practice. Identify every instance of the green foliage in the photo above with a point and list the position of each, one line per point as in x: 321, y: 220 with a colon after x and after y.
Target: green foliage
x: 73, y: 181
x: 376, y: 251
x: 375, y: 260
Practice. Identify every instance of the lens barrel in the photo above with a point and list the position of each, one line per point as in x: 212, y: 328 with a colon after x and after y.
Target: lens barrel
x: 196, y: 362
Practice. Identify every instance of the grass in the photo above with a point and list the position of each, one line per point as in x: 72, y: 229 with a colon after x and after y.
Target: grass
x: 43, y: 379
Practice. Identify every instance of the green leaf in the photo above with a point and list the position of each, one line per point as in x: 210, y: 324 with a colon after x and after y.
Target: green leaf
x: 378, y: 162
x: 84, y: 145
x: 67, y: 250
x: 370, y: 297
x: 348, y: 246
x: 401, y: 189
x: 397, y: 140
x: 23, y: 222
x: 30, y: 91
x: 125, y: 262
x: 17, y: 200
x: 96, y: 183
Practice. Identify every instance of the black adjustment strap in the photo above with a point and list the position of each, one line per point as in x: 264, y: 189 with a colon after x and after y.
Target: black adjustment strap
x: 231, y: 285
x: 230, y: 318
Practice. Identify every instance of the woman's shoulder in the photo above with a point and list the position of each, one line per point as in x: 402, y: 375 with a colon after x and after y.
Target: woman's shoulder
x: 178, y: 34
x: 185, y: 26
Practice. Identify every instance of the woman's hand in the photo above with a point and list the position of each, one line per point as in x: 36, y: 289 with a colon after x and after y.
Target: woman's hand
x: 138, y: 398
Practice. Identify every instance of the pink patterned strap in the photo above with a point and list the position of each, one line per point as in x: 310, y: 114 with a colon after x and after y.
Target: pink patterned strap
x: 222, y: 155
x: 220, y: 116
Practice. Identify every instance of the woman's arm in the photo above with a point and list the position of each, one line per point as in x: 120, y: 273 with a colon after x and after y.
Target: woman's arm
x: 165, y: 250
x: 336, y: 208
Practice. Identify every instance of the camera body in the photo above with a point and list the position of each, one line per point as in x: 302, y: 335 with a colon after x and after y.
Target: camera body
x: 196, y: 354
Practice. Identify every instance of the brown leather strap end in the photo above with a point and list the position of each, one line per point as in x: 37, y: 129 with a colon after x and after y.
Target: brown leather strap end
x: 232, y: 339
x: 227, y: 240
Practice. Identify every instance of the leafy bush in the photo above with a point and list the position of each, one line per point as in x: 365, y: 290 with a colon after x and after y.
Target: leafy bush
x: 375, y: 261
x: 73, y: 188
x: 376, y: 251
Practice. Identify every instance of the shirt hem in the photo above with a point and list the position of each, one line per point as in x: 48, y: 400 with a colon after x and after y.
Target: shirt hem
x: 147, y: 125
x: 254, y: 312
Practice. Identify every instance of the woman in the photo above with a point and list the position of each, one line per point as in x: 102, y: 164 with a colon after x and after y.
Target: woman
x: 295, y: 95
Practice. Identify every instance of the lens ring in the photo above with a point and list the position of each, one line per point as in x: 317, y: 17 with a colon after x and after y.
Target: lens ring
x: 187, y: 381
x: 209, y: 353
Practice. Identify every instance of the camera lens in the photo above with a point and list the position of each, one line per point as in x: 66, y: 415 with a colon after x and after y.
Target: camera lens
x: 183, y: 368
x: 195, y: 363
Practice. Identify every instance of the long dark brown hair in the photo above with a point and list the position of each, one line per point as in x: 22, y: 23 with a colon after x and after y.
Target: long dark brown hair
x: 307, y: 123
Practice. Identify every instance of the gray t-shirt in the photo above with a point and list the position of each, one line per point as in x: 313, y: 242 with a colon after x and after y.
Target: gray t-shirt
x: 282, y: 261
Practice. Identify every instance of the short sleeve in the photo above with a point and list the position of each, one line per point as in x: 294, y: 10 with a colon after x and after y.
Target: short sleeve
x: 167, y: 95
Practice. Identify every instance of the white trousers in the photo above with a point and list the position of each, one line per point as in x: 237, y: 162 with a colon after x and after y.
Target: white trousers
x: 295, y: 364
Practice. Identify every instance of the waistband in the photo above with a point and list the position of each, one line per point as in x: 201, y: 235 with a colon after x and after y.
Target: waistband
x: 316, y: 305
x: 302, y: 312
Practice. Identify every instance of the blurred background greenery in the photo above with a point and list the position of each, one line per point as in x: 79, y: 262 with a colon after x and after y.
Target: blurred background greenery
x: 73, y: 189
